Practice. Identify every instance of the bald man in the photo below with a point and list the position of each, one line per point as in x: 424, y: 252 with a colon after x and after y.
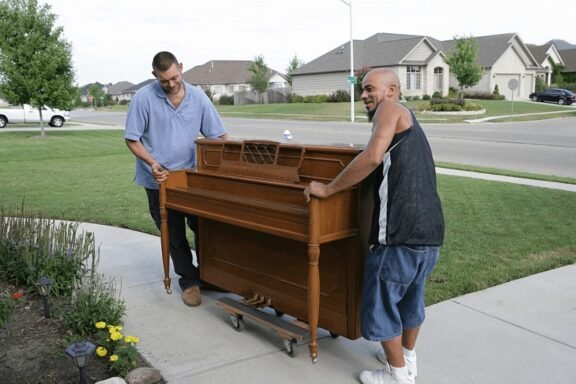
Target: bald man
x: 407, y: 226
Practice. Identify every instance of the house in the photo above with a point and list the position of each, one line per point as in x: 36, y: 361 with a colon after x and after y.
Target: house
x: 116, y: 91
x: 128, y: 93
x: 225, y: 77
x: 421, y: 66
x: 504, y: 58
x: 418, y: 60
x: 547, y: 57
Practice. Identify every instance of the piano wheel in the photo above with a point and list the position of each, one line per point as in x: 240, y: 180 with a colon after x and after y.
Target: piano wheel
x: 169, y: 291
x: 291, y: 347
x: 278, y: 313
x: 237, y: 322
x: 334, y: 335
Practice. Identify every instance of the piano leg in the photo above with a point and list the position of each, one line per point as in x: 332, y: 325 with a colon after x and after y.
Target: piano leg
x: 313, y: 298
x: 165, y: 238
x: 314, y: 278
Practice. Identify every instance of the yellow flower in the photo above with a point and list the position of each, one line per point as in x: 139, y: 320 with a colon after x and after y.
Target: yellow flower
x: 119, y: 328
x: 131, y: 339
x: 101, y: 351
x: 101, y: 325
x: 113, y: 357
x: 116, y: 336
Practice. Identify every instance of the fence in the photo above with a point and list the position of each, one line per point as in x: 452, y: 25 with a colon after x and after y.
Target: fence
x: 271, y: 96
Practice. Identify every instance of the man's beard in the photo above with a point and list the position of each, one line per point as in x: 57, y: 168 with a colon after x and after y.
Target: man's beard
x: 370, y: 113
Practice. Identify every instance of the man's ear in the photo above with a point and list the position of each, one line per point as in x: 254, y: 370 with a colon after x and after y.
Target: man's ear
x: 180, y: 66
x: 154, y: 74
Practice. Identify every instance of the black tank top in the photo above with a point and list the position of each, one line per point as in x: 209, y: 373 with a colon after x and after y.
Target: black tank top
x: 407, y: 208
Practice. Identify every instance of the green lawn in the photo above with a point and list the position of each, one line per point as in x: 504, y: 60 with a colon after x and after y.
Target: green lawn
x: 341, y: 111
x: 496, y: 232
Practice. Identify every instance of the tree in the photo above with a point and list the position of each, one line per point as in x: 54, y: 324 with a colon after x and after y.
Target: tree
x: 293, y: 65
x: 463, y: 62
x: 35, y: 60
x: 360, y: 74
x: 260, y: 77
x: 557, y: 77
x: 96, y: 92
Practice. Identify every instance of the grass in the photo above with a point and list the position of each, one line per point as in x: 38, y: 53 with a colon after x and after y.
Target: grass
x: 341, y: 111
x: 495, y: 232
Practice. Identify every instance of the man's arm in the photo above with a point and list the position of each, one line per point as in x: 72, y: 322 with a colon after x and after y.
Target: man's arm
x: 383, y: 129
x: 160, y: 174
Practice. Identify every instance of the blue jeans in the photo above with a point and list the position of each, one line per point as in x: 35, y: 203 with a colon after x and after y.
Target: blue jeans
x: 393, y: 293
x: 179, y: 247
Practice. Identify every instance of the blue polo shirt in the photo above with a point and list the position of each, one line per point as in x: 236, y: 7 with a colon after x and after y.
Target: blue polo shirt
x: 168, y: 133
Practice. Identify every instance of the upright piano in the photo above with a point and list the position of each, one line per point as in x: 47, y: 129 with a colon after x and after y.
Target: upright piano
x: 260, y: 238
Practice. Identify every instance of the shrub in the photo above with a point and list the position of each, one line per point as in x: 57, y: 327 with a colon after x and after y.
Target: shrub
x: 453, y: 92
x: 226, y: 100
x: 339, y: 96
x: 484, y: 96
x: 315, y: 99
x: 426, y: 97
x: 473, y: 107
x: 94, y: 300
x: 459, y: 102
x: 437, y: 95
x: 31, y: 247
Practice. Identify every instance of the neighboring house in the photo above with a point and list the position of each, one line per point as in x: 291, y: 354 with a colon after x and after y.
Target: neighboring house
x: 503, y: 57
x: 116, y: 91
x: 547, y: 56
x: 128, y: 93
x: 225, y: 77
x: 85, y: 88
x: 420, y: 64
x: 418, y: 60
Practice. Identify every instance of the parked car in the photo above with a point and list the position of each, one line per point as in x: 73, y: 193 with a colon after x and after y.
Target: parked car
x: 554, y: 95
x: 29, y: 114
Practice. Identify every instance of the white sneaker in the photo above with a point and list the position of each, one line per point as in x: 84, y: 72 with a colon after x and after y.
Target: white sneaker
x: 410, y: 362
x: 384, y: 376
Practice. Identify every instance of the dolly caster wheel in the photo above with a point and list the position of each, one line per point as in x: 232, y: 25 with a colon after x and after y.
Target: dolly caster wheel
x: 291, y: 347
x: 237, y: 322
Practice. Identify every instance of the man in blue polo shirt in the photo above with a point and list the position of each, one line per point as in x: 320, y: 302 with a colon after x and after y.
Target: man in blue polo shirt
x: 164, y: 120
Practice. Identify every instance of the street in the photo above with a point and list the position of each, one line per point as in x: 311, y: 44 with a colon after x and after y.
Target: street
x: 541, y: 147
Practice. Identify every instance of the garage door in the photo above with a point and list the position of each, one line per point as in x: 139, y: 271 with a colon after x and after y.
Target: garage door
x: 502, y: 80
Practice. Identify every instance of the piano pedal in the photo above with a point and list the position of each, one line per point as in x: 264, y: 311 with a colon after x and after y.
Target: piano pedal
x: 257, y: 301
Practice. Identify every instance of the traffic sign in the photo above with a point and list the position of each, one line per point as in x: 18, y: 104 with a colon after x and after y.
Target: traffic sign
x: 351, y: 79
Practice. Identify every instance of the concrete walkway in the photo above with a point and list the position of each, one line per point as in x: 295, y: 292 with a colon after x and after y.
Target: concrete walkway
x: 520, y: 332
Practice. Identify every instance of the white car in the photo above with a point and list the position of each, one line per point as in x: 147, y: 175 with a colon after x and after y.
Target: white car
x: 29, y: 114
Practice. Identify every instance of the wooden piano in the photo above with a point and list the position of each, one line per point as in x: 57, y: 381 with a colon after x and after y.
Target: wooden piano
x: 260, y: 238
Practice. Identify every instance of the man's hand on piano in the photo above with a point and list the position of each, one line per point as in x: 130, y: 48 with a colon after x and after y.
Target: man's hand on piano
x: 159, y: 172
x: 316, y: 189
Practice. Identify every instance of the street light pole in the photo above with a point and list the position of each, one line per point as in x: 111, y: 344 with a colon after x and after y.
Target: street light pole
x: 351, y: 78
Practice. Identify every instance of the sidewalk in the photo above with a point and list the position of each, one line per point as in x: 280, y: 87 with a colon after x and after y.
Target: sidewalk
x: 520, y: 332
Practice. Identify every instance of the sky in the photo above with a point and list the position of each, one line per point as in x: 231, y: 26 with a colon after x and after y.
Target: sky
x: 115, y: 40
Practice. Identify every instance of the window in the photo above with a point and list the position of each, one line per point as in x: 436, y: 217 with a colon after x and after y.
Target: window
x: 413, y: 77
x: 438, y: 78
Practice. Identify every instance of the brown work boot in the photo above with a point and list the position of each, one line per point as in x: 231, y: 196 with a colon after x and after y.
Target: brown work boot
x: 191, y: 296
